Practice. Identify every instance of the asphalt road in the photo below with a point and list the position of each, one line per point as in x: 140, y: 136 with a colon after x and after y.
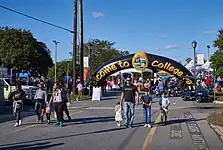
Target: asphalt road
x: 93, y: 127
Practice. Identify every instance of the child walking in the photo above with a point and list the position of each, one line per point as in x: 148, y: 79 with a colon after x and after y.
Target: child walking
x: 147, y: 102
x: 118, y: 114
x: 164, y: 104
x: 48, y: 112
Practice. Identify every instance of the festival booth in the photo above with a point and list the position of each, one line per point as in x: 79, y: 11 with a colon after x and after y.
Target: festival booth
x: 207, y: 66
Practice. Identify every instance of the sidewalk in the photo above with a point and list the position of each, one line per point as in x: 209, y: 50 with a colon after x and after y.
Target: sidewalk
x: 218, y: 130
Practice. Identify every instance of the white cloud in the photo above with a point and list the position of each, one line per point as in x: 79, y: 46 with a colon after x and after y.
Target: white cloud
x: 171, y: 46
x: 97, y: 14
x: 208, y: 32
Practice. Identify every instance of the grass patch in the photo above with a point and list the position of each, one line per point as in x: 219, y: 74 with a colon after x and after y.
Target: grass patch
x: 218, y: 96
x: 84, y: 97
x: 216, y: 119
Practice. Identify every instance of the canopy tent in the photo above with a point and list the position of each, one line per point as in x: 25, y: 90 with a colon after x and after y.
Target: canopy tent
x: 162, y: 72
x: 189, y: 65
x: 130, y: 70
x: 207, y: 66
x: 199, y: 68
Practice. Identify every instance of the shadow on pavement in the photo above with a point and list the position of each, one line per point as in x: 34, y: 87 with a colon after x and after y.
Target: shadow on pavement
x: 54, y: 138
x: 91, y: 120
x: 8, y: 116
x: 35, y: 146
x: 177, y: 121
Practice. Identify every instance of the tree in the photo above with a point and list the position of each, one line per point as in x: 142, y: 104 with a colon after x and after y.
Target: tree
x: 219, y: 41
x: 217, y: 62
x: 217, y: 58
x: 20, y: 50
x: 188, y: 59
x: 62, y: 67
x: 103, y: 51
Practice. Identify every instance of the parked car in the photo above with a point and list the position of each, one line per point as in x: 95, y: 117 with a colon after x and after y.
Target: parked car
x: 189, y: 93
x: 203, y: 95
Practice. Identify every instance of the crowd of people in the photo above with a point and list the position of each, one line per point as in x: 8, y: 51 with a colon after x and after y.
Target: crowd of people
x: 124, y: 109
x: 43, y: 105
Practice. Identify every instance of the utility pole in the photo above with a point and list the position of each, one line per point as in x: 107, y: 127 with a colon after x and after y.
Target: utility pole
x: 81, y: 42
x: 74, y: 46
x: 55, y: 73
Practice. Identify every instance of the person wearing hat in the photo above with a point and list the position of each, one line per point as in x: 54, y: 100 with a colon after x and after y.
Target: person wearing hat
x: 40, y: 100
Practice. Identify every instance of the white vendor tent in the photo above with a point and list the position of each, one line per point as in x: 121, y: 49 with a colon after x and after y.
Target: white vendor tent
x: 189, y: 65
x: 130, y: 70
x: 207, y: 65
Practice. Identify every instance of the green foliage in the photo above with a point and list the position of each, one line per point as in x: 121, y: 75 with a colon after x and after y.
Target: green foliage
x: 217, y: 58
x: 62, y: 68
x: 103, y: 51
x: 219, y: 41
x: 20, y: 50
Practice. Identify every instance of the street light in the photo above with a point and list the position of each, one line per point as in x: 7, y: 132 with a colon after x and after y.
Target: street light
x: 208, y: 46
x: 194, y: 45
x: 55, y: 73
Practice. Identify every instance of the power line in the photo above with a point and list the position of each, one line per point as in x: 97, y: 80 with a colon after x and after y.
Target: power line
x: 28, y: 16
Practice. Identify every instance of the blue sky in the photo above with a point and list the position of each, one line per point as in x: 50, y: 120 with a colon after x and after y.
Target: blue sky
x: 163, y: 27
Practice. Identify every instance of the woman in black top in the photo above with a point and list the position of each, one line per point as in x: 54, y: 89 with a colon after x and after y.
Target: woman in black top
x: 17, y: 97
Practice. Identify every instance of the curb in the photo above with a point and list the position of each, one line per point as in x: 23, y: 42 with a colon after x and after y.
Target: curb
x: 218, y: 131
x: 218, y: 102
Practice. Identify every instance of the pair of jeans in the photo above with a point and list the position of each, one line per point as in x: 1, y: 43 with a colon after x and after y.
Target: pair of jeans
x: 147, y: 115
x: 39, y: 106
x: 66, y: 110
x: 129, y: 109
x: 18, y: 114
x: 163, y: 116
x: 48, y: 116
x: 59, y: 107
x: 17, y: 108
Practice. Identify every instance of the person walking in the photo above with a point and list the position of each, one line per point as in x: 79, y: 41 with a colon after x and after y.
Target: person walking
x: 147, y: 102
x: 40, y: 101
x: 164, y: 104
x: 66, y: 100
x: 80, y: 90
x: 57, y: 100
x: 17, y: 96
x: 129, y: 97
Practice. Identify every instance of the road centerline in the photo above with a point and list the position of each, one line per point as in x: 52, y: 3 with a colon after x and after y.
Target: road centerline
x: 151, y: 134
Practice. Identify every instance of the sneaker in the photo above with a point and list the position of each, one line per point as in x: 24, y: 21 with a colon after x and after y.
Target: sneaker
x: 145, y: 125
x: 118, y: 124
x: 20, y: 122
x: 149, y: 126
x: 16, y: 124
x: 57, y: 123
x: 130, y: 126
x: 48, y: 121
x: 61, y: 124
